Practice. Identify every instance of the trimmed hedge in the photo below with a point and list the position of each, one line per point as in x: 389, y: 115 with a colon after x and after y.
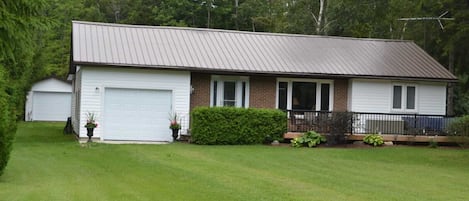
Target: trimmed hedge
x: 7, y: 124
x: 234, y: 126
x: 460, y: 128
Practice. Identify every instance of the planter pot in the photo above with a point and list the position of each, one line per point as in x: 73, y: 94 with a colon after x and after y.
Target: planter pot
x: 275, y: 143
x: 175, y: 134
x: 89, y: 133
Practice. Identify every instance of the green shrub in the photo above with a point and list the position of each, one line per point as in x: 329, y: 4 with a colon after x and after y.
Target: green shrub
x: 373, y: 139
x: 310, y: 139
x: 7, y: 125
x: 433, y: 144
x: 230, y: 125
x: 460, y: 128
x: 340, y: 124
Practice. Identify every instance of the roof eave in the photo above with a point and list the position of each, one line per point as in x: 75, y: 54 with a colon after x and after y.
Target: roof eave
x: 296, y: 74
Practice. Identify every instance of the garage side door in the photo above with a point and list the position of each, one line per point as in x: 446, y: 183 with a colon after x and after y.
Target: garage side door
x: 137, y: 114
x: 51, y: 106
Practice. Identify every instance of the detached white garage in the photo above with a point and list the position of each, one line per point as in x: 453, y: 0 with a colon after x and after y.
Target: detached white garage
x: 49, y: 100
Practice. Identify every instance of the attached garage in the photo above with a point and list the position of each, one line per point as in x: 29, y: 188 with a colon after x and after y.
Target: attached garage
x: 49, y: 100
x: 130, y: 104
x: 137, y: 114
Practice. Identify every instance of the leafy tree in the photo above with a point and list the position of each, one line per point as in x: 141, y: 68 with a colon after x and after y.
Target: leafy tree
x: 254, y: 15
x: 457, y: 47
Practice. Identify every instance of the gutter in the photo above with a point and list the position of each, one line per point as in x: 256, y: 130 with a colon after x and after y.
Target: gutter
x: 264, y: 73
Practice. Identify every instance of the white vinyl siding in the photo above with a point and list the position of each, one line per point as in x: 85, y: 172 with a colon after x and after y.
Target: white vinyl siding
x: 95, y: 80
x: 77, y: 99
x: 73, y: 101
x: 370, y: 96
x: 432, y: 99
x: 377, y: 97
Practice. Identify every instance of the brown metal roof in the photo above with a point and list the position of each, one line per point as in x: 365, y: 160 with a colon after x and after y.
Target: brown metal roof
x: 252, y: 52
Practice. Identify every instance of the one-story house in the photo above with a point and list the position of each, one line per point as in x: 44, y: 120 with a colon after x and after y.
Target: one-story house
x: 132, y: 77
x: 49, y: 100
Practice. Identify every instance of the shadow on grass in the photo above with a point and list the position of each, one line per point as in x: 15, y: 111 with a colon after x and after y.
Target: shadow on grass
x: 42, y: 132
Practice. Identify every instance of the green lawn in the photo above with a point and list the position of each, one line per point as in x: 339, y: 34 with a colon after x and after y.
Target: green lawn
x: 47, y: 165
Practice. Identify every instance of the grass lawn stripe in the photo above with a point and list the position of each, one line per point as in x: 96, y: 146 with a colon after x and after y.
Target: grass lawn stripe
x: 47, y: 165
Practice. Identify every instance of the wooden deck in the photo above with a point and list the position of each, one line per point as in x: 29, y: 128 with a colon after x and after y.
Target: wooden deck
x: 392, y: 137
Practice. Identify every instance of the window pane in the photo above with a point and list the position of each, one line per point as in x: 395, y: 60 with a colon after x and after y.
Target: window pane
x: 243, y: 100
x: 410, y: 98
x: 229, y: 93
x: 282, y: 95
x: 397, y: 97
x: 325, y: 97
x: 304, y: 96
x: 215, y: 93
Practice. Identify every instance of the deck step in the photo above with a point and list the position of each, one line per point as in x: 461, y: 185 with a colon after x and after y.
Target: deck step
x: 185, y: 137
x: 291, y: 135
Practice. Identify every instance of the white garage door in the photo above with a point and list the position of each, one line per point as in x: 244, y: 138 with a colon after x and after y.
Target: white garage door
x: 137, y: 114
x: 51, y: 106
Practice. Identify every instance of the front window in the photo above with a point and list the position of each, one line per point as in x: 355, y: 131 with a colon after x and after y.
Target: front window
x: 397, y: 98
x: 325, y: 96
x: 404, y: 94
x: 230, y: 91
x: 303, y: 94
x: 282, y: 95
x: 410, y: 98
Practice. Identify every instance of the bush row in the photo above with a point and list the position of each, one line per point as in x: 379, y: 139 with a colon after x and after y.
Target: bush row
x: 460, y: 128
x: 7, y: 123
x: 229, y: 125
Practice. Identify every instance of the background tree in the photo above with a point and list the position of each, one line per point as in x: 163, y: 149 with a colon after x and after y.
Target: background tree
x: 455, y: 45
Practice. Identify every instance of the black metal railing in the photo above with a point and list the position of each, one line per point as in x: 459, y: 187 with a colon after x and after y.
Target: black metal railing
x: 363, y: 123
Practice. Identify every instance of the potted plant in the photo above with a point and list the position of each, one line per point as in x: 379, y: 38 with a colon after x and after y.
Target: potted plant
x: 174, y: 125
x: 90, y: 125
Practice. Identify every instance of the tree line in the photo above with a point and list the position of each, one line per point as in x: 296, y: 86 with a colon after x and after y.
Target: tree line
x: 448, y: 42
x: 35, y: 34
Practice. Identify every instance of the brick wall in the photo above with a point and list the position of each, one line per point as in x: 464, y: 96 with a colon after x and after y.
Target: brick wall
x: 262, y: 92
x: 201, y: 94
x: 340, y: 95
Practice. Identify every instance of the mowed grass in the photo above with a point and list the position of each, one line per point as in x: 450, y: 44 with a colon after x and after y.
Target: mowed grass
x: 47, y: 165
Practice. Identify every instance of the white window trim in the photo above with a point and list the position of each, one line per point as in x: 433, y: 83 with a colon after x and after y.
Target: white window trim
x: 403, y: 108
x: 318, y: 91
x: 220, y: 79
